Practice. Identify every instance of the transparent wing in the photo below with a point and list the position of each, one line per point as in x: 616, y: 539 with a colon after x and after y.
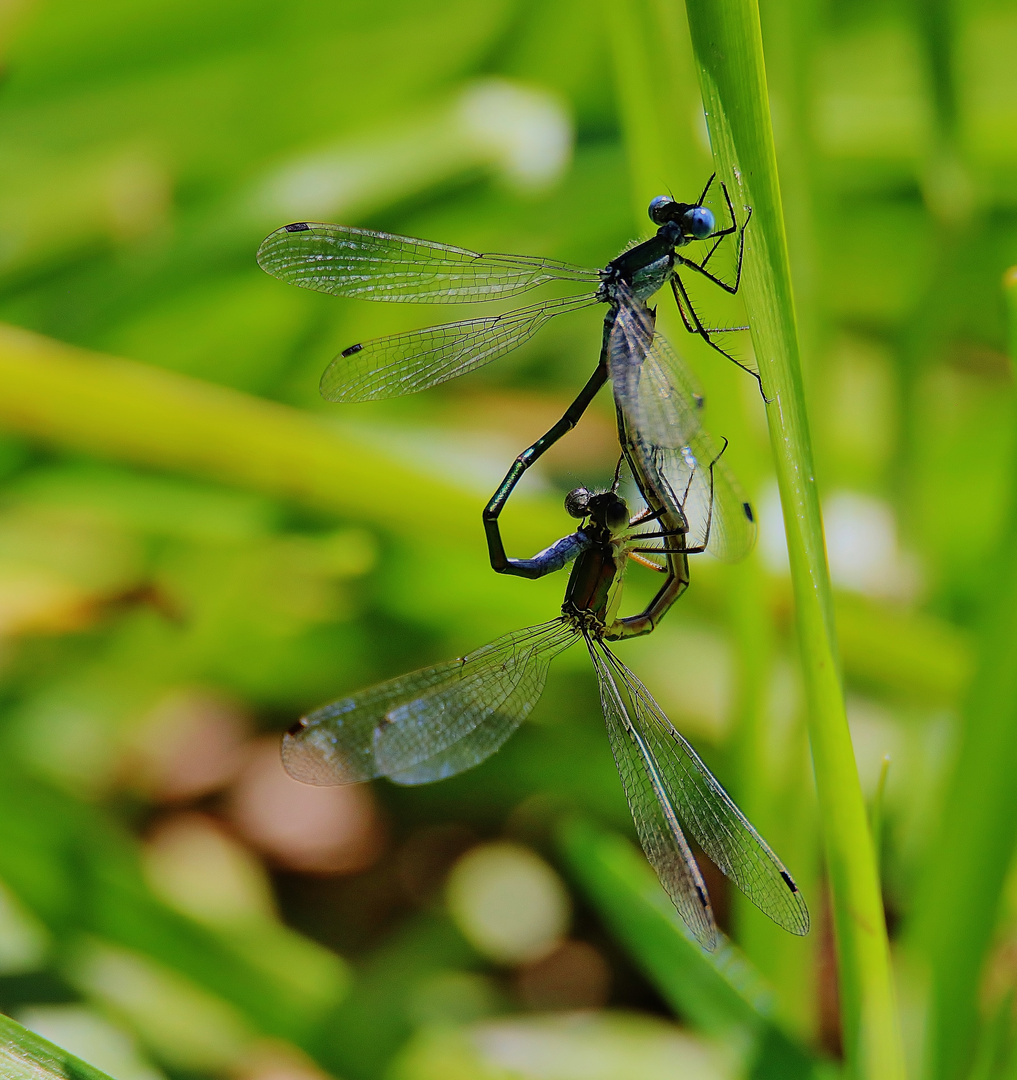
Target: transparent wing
x: 705, y: 808
x: 407, y: 728
x: 694, y: 483
x: 335, y: 744
x: 344, y: 261
x: 456, y: 725
x: 654, y: 816
x: 676, y: 463
x: 652, y: 384
x: 405, y: 363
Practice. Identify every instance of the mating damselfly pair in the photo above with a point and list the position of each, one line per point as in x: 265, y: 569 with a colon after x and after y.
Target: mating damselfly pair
x: 438, y: 721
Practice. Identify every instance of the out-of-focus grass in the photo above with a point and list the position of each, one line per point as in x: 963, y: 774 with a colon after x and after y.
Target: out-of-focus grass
x: 954, y: 925
x: 194, y: 548
x: 719, y: 993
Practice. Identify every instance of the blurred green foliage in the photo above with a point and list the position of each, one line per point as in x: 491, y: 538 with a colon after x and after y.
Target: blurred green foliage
x: 194, y: 548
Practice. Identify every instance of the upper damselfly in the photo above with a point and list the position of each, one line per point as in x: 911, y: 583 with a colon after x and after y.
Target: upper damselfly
x: 662, y: 405
x: 436, y: 722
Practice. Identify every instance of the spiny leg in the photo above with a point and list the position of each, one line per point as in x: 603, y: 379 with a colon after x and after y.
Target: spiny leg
x: 721, y: 233
x: 706, y: 190
x: 648, y: 563
x: 646, y: 514
x: 695, y: 326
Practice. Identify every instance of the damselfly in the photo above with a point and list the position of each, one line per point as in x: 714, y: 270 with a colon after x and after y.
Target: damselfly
x: 436, y: 722
x: 663, y: 404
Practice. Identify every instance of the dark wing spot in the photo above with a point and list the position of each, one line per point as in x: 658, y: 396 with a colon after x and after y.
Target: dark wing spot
x: 298, y: 727
x: 699, y: 400
x: 352, y: 349
x: 747, y: 507
x: 789, y: 881
x: 298, y: 226
x: 704, y: 900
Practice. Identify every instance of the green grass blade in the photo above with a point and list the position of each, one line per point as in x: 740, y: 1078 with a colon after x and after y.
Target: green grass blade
x: 714, y: 991
x: 126, y: 411
x: 717, y: 992
x: 27, y: 1056
x: 657, y: 91
x: 727, y: 42
x: 957, y: 908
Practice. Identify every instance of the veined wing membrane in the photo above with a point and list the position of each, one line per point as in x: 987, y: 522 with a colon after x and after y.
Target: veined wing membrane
x: 659, y: 422
x: 652, y: 811
x: 652, y: 384
x: 694, y: 480
x: 455, y: 725
x: 399, y: 726
x: 406, y: 363
x: 346, y: 261
x: 335, y: 744
x: 709, y: 814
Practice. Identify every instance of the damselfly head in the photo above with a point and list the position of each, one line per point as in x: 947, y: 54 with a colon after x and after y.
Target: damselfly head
x: 695, y: 222
x: 608, y: 510
x: 605, y: 509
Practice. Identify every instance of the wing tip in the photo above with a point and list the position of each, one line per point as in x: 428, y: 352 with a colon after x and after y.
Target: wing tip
x: 303, y: 762
x: 267, y: 249
x: 800, y: 921
x: 706, y: 933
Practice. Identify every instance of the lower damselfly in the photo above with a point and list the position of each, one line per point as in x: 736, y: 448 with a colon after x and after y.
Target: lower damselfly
x: 441, y: 720
x: 662, y: 405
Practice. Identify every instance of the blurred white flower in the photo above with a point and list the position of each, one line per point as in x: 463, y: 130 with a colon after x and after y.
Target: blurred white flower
x: 861, y: 543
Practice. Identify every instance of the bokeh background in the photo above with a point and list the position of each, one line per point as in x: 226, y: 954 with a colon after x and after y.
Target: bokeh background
x: 194, y: 548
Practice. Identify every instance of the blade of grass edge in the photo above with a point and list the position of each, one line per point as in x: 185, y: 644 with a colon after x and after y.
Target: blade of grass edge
x: 957, y: 907
x: 27, y: 1056
x: 727, y: 42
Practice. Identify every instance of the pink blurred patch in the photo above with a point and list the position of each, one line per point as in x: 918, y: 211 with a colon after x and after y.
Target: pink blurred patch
x: 190, y: 744
x: 324, y: 830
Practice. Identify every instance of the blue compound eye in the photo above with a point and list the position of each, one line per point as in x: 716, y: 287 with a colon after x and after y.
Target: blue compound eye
x: 699, y: 222
x: 660, y: 209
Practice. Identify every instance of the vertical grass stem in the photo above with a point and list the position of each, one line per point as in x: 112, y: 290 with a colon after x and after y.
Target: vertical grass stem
x: 727, y: 42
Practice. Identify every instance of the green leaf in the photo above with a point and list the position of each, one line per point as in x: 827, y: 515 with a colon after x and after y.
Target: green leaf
x: 26, y: 1056
x: 718, y: 992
